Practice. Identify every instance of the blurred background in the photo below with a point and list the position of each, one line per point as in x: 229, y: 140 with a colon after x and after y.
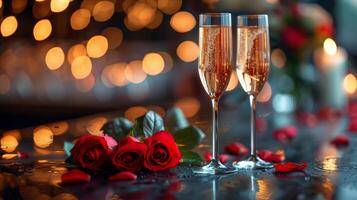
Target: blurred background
x: 62, y: 59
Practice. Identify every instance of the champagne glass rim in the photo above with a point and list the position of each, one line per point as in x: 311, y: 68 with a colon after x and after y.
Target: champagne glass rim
x: 215, y: 14
x: 255, y: 16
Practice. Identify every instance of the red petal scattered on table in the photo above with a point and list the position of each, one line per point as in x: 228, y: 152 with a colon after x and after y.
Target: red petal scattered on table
x: 340, y: 141
x: 285, y: 134
x: 75, y: 176
x: 329, y: 114
x: 123, y: 176
x: 308, y: 119
x: 23, y: 154
x: 223, y: 158
x: 289, y: 167
x: 352, y: 126
x: 208, y: 157
x: 270, y: 156
x: 236, y: 149
x: 352, y: 109
x: 260, y: 124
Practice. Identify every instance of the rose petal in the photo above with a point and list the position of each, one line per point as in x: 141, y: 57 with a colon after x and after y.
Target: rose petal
x: 285, y: 134
x: 260, y: 124
x: 329, y: 114
x: 75, y: 176
x: 223, y: 158
x: 111, y: 142
x: 123, y: 176
x: 236, y: 149
x: 308, y: 119
x: 340, y: 141
x: 290, y: 167
x: 270, y: 156
x: 352, y: 126
x: 23, y: 154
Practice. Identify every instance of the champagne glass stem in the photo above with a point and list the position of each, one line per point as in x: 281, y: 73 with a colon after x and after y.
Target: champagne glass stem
x: 214, y: 130
x: 253, y: 104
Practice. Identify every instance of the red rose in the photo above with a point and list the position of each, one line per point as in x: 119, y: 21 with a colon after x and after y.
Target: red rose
x: 162, y: 153
x: 294, y: 37
x: 91, y: 152
x: 129, y: 155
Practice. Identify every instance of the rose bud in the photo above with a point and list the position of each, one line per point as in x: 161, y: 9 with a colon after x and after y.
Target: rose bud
x: 236, y: 149
x: 129, y: 155
x: 91, y: 152
x: 163, y: 153
x: 340, y: 141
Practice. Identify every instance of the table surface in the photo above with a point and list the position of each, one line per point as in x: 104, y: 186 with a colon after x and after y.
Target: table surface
x: 331, y: 173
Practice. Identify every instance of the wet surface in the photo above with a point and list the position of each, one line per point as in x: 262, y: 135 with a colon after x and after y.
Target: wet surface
x: 331, y: 174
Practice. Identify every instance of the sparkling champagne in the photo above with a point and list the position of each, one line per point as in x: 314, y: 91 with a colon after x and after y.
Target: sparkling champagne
x: 253, y: 56
x: 215, y: 59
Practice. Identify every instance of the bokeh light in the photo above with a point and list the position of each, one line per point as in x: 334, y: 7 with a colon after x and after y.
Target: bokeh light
x: 153, y: 64
x: 80, y: 19
x: 15, y: 133
x: 76, y: 51
x: 86, y: 84
x: 265, y: 94
x: 189, y: 106
x: 103, y: 10
x: 9, y: 143
x: 156, y: 20
x: 8, y: 26
x: 134, y: 72
x: 134, y: 112
x: 95, y: 125
x: 233, y: 82
x: 42, y: 29
x: 114, y: 75
x: 18, y: 5
x: 187, y: 51
x: 278, y: 58
x: 114, y: 36
x: 350, y: 84
x: 169, y: 63
x: 330, y: 47
x: 54, y: 58
x: 81, y: 67
x: 97, y: 46
x: 5, y: 84
x: 169, y: 7
x: 183, y: 21
x: 0, y: 3
x: 43, y: 136
x: 140, y: 15
x: 59, y: 5
x: 59, y: 128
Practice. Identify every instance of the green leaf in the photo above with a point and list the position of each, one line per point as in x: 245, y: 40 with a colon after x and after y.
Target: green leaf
x: 188, y: 138
x: 148, y: 124
x: 175, y: 119
x: 192, y: 158
x: 118, y: 128
x: 67, y: 147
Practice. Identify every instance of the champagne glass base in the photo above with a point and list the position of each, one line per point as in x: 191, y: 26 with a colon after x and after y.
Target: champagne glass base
x: 215, y: 168
x: 253, y: 163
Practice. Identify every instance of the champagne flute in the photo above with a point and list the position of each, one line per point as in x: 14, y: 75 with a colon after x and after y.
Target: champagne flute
x: 253, y: 58
x: 215, y: 69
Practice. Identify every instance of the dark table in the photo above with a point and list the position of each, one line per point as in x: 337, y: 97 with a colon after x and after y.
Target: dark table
x: 331, y: 174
